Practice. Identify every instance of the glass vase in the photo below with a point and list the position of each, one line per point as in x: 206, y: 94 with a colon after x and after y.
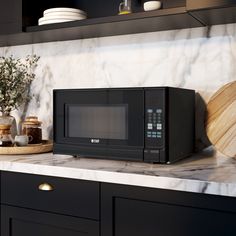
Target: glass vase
x: 7, y: 119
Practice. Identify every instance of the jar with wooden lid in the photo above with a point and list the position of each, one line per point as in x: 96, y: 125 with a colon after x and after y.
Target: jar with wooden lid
x: 6, y: 139
x: 32, y: 128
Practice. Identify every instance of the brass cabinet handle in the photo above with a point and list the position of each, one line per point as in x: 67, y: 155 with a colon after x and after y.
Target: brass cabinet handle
x: 45, y: 187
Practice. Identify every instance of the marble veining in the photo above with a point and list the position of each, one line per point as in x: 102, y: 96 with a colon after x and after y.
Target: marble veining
x: 198, y: 58
x: 207, y: 172
x: 201, y: 59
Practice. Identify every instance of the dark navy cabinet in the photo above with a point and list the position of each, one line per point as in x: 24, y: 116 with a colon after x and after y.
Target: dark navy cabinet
x: 78, y: 208
x: 127, y: 210
x: 18, y: 221
x: 44, y: 206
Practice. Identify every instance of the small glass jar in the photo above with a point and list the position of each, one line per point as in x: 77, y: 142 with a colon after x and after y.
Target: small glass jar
x: 6, y: 139
x: 32, y: 128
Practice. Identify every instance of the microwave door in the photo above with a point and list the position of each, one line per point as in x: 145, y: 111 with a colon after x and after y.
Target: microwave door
x: 98, y: 123
x: 112, y: 120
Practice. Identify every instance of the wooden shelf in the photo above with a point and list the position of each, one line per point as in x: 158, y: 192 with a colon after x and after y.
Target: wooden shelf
x: 21, y: 27
x: 164, y: 19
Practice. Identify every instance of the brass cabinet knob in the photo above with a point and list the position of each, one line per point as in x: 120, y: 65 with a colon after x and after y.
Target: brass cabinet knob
x: 45, y: 187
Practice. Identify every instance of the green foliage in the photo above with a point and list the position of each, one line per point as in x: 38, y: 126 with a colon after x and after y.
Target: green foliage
x: 16, y: 76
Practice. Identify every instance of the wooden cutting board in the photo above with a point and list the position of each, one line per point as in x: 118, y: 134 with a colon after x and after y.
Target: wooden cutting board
x: 221, y: 119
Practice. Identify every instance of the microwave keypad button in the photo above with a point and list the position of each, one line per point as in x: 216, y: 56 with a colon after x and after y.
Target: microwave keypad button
x: 154, y: 134
x: 150, y: 126
x: 149, y: 134
x: 159, y: 134
x: 159, y: 126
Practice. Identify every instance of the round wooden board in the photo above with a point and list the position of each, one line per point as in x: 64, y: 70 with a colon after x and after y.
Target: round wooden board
x: 221, y: 119
x: 46, y: 146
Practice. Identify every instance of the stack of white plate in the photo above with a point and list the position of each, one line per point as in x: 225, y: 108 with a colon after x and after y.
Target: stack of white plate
x: 61, y: 14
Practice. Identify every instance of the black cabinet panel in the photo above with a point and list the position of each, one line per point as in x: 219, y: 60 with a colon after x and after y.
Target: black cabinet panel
x: 142, y: 218
x: 10, y: 16
x: 23, y: 222
x: 70, y: 197
x: 127, y: 210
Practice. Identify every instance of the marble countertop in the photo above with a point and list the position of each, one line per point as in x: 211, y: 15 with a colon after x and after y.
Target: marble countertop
x: 207, y: 172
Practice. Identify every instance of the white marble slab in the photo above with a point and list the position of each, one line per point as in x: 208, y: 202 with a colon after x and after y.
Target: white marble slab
x: 191, y: 58
x: 207, y: 172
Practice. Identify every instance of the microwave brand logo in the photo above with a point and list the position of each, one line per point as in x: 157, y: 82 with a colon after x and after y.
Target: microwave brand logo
x: 95, y: 141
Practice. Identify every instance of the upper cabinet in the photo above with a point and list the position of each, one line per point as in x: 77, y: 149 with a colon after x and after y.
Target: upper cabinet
x: 103, y: 19
x: 10, y: 16
x: 213, y: 12
x: 19, y: 18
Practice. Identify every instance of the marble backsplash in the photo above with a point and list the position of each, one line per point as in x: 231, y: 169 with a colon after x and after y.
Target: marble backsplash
x: 202, y: 59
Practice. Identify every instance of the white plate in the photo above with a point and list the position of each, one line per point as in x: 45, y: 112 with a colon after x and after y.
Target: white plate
x: 53, y: 21
x: 59, y: 19
x: 63, y: 9
x: 64, y: 14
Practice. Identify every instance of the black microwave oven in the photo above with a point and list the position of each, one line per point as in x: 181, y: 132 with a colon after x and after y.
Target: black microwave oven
x: 139, y: 124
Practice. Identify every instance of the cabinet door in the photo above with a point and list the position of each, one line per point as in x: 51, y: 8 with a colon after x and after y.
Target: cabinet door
x: 23, y: 222
x: 68, y: 196
x: 213, y: 12
x: 10, y: 16
x: 129, y: 211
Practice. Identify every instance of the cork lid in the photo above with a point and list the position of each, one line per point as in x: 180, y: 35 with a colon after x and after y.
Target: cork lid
x: 32, y: 120
x: 5, y: 127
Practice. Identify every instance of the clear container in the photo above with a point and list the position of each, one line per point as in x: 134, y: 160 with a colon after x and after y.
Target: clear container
x: 32, y: 128
x: 7, y: 119
x: 125, y: 7
x: 6, y: 139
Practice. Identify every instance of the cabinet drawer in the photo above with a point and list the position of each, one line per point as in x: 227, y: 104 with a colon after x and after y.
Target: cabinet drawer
x: 68, y: 196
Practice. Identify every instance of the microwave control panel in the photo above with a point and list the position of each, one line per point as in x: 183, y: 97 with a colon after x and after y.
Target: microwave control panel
x: 155, y: 118
x: 154, y: 123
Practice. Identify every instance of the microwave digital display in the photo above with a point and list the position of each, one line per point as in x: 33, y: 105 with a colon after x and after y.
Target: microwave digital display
x: 97, y: 121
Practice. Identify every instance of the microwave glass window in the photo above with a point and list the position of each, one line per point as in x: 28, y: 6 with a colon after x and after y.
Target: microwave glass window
x: 104, y: 122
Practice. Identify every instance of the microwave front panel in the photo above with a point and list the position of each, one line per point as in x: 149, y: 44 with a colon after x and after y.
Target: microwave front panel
x: 100, y: 117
